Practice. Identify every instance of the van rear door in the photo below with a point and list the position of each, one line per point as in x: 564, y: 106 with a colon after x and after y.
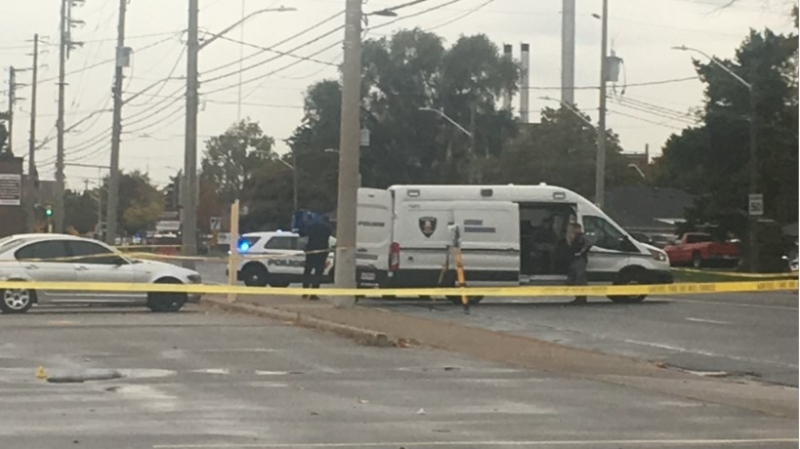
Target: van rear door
x: 373, y: 234
x: 490, y: 244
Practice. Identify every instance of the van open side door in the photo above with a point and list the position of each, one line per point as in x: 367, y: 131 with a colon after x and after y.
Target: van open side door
x: 373, y: 235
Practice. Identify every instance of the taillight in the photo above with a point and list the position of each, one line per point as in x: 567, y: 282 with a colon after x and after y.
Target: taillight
x: 394, y: 257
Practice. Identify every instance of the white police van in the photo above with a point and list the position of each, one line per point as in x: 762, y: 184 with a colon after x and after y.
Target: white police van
x: 275, y: 258
x: 509, y: 235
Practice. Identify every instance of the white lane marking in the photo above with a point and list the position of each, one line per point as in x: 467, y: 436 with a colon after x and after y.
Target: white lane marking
x: 698, y: 442
x: 707, y: 353
x: 732, y: 304
x: 220, y: 371
x: 703, y: 320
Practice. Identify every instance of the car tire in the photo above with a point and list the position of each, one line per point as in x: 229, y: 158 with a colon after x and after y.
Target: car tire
x: 255, y: 275
x: 166, y: 302
x: 17, y: 300
x: 697, y: 261
x: 629, y: 277
x: 282, y: 284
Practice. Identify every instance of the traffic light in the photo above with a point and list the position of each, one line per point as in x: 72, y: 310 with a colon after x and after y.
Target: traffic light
x: 48, y: 211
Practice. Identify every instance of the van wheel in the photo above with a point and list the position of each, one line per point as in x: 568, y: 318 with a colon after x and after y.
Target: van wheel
x: 255, y: 275
x: 697, y: 261
x: 629, y: 277
x: 471, y: 299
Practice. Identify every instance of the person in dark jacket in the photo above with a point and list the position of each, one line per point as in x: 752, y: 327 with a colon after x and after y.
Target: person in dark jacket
x: 319, y: 234
x: 579, y: 253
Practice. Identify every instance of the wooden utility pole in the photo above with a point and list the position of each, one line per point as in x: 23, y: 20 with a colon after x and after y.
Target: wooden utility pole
x: 30, y: 203
x: 189, y: 197
x: 116, y: 129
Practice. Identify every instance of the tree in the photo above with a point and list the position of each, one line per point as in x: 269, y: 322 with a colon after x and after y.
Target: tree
x: 80, y: 211
x: 401, y: 74
x: 5, y: 151
x: 140, y: 202
x: 712, y: 159
x: 561, y: 150
x: 230, y: 158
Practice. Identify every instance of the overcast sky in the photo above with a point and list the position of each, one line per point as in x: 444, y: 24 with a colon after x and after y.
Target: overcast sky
x: 641, y: 32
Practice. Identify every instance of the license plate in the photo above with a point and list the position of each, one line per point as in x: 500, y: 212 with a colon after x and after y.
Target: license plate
x: 367, y: 276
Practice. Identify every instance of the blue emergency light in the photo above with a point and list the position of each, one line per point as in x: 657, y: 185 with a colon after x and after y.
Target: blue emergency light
x: 244, y: 246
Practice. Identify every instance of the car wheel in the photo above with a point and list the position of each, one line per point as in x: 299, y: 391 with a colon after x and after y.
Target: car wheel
x: 165, y: 301
x: 279, y: 284
x: 629, y: 277
x: 255, y: 275
x: 16, y: 300
x: 697, y: 261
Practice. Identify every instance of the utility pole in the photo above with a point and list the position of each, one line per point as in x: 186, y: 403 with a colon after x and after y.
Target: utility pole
x: 568, y: 51
x: 32, y: 174
x: 188, y: 194
x: 12, y: 98
x: 600, y: 169
x: 349, y: 148
x: 62, y: 50
x: 116, y: 130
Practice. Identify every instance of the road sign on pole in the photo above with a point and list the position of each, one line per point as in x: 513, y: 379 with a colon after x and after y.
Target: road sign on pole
x: 755, y: 204
x: 216, y: 224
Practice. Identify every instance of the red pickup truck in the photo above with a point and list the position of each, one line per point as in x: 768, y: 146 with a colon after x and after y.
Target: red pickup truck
x: 699, y: 249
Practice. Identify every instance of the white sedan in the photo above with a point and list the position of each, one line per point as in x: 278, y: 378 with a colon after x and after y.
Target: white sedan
x: 65, y: 258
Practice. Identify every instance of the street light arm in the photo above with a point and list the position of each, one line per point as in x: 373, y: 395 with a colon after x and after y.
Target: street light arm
x: 718, y: 63
x: 216, y: 36
x: 444, y: 116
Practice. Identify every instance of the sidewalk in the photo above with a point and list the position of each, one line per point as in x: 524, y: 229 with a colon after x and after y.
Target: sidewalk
x: 384, y: 328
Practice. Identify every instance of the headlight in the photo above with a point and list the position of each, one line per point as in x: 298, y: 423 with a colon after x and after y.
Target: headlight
x: 658, y: 255
x: 195, y: 278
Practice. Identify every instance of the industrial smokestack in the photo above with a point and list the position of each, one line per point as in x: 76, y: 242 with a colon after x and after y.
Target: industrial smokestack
x: 508, y: 53
x: 525, y: 63
x: 568, y: 51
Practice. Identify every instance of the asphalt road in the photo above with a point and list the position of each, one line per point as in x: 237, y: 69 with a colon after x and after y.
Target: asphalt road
x: 212, y: 380
x: 749, y: 335
x: 745, y: 335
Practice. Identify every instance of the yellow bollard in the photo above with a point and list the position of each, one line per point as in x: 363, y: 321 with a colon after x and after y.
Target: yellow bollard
x: 41, y: 374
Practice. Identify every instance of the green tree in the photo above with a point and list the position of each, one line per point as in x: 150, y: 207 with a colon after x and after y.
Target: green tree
x: 230, y: 158
x: 80, y: 210
x: 401, y: 74
x: 140, y: 202
x: 560, y: 150
x: 712, y: 160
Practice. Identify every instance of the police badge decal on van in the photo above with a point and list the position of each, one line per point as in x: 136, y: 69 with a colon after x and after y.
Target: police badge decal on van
x: 427, y: 225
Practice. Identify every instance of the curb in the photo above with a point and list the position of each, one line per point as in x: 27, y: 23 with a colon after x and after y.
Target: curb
x: 362, y: 336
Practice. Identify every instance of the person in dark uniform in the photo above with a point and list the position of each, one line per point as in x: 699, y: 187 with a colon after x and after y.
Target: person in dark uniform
x: 319, y: 234
x: 579, y: 252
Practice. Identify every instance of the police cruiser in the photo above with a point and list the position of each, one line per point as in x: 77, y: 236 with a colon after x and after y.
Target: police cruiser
x: 275, y: 258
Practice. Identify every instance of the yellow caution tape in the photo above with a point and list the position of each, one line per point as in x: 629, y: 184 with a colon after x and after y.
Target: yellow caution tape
x: 599, y: 290
x: 792, y: 274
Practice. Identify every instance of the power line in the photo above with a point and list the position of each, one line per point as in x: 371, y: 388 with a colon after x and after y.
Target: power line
x: 647, y: 83
x: 462, y: 16
x: 288, y: 39
x: 252, y: 66
x: 106, y: 61
x: 282, y: 53
x: 613, y: 112
x: 408, y: 16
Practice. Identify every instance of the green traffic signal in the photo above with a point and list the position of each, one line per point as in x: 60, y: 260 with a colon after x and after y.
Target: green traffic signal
x: 49, y: 211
